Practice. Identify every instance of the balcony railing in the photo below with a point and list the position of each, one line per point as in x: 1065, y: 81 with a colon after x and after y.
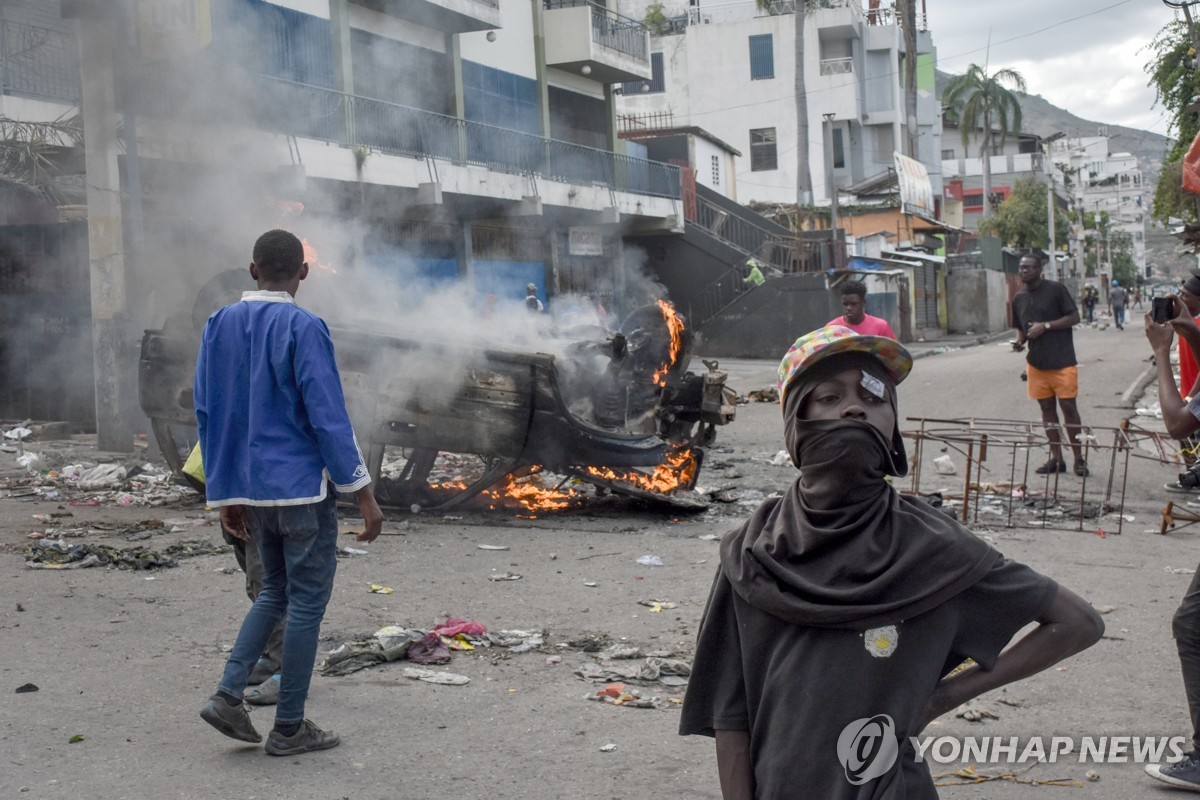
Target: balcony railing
x: 610, y: 29
x: 38, y: 61
x: 837, y: 66
x: 351, y: 120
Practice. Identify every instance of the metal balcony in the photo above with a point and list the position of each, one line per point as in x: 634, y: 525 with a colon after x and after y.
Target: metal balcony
x: 351, y: 120
x: 451, y: 16
x: 589, y: 39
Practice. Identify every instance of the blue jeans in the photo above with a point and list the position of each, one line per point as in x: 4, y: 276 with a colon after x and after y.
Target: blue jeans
x: 1119, y: 315
x: 298, y: 547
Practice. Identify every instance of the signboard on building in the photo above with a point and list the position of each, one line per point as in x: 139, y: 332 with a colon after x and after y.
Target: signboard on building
x: 169, y: 28
x: 583, y: 241
x: 916, y: 192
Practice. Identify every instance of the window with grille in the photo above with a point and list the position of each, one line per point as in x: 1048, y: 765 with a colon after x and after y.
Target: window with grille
x: 762, y: 57
x: 716, y: 171
x: 762, y: 149
x: 839, y: 149
x: 653, y: 86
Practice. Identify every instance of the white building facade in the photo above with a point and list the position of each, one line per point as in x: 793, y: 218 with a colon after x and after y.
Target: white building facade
x: 729, y: 68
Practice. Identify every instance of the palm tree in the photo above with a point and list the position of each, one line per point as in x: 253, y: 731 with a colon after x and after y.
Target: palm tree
x: 31, y: 154
x: 906, y: 13
x: 978, y: 100
x: 803, y: 169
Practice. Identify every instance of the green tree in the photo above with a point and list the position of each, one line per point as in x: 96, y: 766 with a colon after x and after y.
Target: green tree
x: 1020, y: 221
x: 799, y: 88
x: 980, y: 101
x: 1175, y: 82
x: 1120, y: 257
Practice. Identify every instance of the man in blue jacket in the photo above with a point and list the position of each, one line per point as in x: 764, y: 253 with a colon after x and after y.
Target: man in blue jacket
x: 277, y: 445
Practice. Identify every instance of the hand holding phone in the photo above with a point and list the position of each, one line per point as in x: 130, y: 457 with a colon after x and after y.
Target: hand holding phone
x: 1162, y: 309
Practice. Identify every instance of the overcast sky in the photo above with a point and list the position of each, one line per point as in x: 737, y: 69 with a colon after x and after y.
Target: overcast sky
x: 1085, y: 56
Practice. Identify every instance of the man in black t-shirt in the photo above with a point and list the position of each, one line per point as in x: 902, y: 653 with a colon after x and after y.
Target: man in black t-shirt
x: 1043, y: 313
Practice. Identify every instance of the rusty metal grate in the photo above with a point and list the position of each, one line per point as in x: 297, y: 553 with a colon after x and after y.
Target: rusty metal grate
x: 998, y: 486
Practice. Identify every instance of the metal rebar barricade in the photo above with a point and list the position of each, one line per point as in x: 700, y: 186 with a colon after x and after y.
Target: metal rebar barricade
x: 1000, y: 485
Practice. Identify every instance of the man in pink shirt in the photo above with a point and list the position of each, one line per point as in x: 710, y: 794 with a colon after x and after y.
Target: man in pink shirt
x: 854, y: 304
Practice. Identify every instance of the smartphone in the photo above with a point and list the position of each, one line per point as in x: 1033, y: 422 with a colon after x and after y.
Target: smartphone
x: 1162, y: 309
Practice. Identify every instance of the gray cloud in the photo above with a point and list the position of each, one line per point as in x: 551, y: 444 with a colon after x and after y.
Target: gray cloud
x: 1093, y: 66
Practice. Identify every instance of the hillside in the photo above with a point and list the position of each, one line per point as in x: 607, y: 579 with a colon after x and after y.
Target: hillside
x: 1041, y: 117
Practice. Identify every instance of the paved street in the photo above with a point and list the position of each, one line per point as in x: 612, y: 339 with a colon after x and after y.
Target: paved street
x: 125, y: 659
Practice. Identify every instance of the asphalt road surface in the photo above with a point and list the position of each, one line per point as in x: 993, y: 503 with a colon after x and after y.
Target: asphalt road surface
x: 123, y: 660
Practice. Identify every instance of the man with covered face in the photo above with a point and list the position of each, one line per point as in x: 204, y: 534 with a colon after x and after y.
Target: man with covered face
x: 840, y: 609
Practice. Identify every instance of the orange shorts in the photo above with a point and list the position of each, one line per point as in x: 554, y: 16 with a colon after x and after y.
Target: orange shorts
x: 1046, y: 383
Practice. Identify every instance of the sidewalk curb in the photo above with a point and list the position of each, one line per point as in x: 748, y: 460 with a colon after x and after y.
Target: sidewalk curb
x: 1138, y: 386
x: 975, y: 342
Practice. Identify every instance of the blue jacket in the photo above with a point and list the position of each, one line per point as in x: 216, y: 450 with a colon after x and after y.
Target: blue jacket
x: 273, y: 422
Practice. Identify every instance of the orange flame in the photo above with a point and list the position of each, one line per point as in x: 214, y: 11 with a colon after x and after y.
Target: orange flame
x: 310, y: 257
x: 678, y: 468
x: 287, y: 208
x: 531, y: 496
x: 675, y: 329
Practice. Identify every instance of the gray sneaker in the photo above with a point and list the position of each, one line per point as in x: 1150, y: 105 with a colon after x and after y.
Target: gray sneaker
x: 233, y: 721
x: 305, y: 740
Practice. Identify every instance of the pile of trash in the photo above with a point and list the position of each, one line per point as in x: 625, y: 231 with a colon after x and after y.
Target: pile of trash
x: 58, y: 554
x: 90, y: 483
x: 433, y: 647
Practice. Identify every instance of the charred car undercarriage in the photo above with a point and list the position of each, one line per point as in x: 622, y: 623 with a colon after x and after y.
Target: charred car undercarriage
x: 604, y: 409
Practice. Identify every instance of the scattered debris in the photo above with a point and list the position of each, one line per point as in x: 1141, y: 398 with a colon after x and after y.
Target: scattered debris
x: 650, y: 561
x: 973, y: 712
x: 667, y: 671
x: 767, y: 394
x: 945, y: 465
x: 431, y: 676
x: 618, y: 694
x: 781, y: 458
x: 48, y: 554
x: 26, y: 688
x: 378, y: 588
x: 658, y: 606
x: 608, y: 748
x: 507, y: 576
x: 492, y: 547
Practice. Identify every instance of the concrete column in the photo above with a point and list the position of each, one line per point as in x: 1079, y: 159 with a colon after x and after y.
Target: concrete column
x: 116, y: 393
x: 539, y: 60
x: 343, y: 59
x: 454, y: 57
x: 464, y: 253
x: 610, y: 119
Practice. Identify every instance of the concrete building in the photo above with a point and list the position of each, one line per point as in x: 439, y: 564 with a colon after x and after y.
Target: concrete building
x: 729, y: 68
x: 1020, y: 156
x: 427, y: 141
x: 1104, y: 182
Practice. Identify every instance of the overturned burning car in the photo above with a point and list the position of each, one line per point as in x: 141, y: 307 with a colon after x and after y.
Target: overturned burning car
x: 615, y: 409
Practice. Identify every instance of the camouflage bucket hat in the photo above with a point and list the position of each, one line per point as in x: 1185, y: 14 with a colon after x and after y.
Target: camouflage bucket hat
x: 818, y: 345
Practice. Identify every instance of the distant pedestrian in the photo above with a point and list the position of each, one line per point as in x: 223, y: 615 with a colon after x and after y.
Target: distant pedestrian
x: 1043, y: 314
x: 754, y: 276
x: 277, y: 443
x: 855, y: 316
x: 532, y: 303
x: 1116, y: 302
x: 842, y: 611
x: 1091, y: 296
